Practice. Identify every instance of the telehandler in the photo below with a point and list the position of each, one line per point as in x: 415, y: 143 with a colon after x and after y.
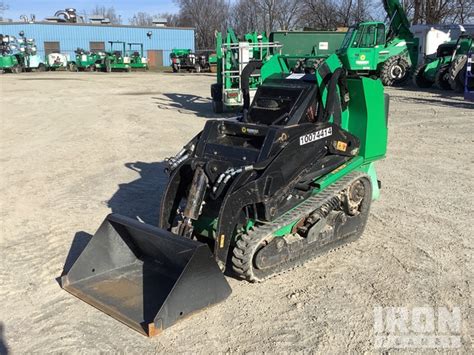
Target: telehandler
x: 373, y: 49
x: 290, y: 179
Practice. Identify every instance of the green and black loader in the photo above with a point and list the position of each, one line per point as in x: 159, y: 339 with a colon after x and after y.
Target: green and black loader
x: 290, y: 178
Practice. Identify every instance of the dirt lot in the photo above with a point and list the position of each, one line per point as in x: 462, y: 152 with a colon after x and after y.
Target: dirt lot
x: 76, y: 146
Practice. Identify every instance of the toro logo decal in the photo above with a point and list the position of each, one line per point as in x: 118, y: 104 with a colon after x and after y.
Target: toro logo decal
x: 311, y: 137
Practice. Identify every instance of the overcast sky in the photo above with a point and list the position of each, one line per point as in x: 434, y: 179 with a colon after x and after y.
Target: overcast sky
x: 46, y: 8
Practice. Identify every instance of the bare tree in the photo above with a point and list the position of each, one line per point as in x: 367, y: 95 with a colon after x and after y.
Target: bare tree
x: 268, y: 12
x: 330, y: 14
x: 353, y: 11
x: 3, y: 7
x: 464, y: 12
x: 435, y: 10
x: 362, y: 11
x: 206, y: 16
x: 270, y: 15
x: 146, y: 19
x: 439, y: 11
x: 141, y: 19
x: 416, y: 6
x: 245, y: 16
x: 288, y: 14
x: 319, y: 14
x: 107, y: 12
x: 172, y: 20
x: 265, y: 15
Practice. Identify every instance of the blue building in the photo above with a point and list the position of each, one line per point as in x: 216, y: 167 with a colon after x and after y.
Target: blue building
x: 67, y: 37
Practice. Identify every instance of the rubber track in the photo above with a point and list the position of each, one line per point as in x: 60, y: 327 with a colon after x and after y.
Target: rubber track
x: 246, y: 246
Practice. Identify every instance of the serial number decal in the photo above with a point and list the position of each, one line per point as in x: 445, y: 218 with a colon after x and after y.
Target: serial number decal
x: 311, y: 137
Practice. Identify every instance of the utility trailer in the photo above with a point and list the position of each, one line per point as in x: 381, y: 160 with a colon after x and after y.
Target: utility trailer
x: 57, y: 61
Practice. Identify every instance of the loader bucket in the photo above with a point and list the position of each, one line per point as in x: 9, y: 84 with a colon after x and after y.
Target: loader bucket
x: 146, y: 277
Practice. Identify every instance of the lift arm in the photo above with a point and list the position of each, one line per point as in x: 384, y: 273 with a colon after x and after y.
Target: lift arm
x: 399, y: 24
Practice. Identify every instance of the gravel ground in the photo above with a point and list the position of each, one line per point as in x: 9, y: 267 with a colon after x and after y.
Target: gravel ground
x: 76, y: 146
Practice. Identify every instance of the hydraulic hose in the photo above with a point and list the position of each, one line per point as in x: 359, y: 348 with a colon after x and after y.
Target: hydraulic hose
x: 245, y: 80
x: 334, y: 98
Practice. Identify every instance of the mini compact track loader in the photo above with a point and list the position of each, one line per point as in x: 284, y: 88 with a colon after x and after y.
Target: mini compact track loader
x: 291, y: 178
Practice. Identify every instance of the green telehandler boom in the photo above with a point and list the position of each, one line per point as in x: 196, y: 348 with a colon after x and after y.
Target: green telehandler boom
x: 374, y: 49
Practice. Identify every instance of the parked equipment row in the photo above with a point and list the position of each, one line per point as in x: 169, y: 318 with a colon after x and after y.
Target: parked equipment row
x: 20, y: 54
